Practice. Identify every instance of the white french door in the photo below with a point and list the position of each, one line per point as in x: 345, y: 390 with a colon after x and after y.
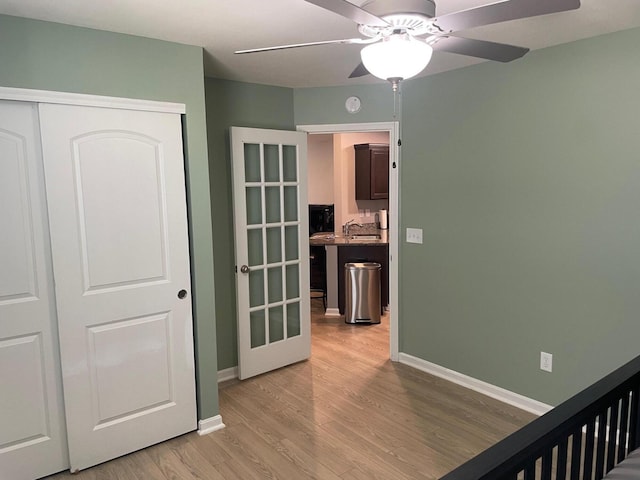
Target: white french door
x: 117, y: 213
x: 32, y: 433
x: 272, y: 248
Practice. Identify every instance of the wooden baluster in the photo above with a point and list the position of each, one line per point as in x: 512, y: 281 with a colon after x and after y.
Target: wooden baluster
x: 588, y: 449
x: 624, y: 427
x: 634, y: 422
x: 561, y: 465
x: 547, y: 463
x: 602, y: 439
x: 530, y: 470
x: 613, y: 431
x: 576, y: 453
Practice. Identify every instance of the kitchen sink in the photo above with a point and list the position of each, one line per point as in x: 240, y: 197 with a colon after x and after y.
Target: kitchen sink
x: 368, y: 236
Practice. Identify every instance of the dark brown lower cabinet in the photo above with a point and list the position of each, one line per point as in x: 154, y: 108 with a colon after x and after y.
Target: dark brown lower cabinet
x: 364, y: 253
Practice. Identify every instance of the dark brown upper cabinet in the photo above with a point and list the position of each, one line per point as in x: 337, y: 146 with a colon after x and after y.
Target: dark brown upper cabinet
x: 372, y: 171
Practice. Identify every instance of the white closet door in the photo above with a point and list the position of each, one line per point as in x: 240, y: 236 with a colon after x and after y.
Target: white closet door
x: 117, y: 209
x: 32, y: 436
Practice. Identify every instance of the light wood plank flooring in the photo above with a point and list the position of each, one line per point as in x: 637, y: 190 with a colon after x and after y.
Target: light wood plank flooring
x: 348, y: 413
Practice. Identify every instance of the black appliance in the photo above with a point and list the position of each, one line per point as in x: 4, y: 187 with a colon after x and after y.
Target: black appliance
x: 320, y: 218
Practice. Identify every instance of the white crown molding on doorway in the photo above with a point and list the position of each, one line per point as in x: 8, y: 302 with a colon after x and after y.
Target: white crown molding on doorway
x: 210, y: 425
x: 506, y: 396
x: 67, y: 98
x: 394, y: 237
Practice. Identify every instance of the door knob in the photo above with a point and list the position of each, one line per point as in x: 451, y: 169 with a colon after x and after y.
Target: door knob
x: 182, y: 294
x: 244, y: 269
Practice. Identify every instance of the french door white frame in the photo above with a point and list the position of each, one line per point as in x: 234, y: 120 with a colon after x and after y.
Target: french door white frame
x: 394, y: 175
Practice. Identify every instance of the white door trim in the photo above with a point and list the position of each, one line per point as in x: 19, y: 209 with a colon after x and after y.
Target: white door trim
x: 66, y: 98
x: 394, y: 175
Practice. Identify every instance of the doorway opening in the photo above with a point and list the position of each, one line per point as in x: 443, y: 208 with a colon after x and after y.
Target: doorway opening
x: 332, y: 182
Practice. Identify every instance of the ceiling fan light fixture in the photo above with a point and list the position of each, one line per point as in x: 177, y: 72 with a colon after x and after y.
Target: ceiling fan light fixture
x: 398, y: 56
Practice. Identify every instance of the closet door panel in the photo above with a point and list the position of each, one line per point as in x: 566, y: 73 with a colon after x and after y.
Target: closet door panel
x: 116, y: 197
x: 114, y: 172
x: 32, y: 436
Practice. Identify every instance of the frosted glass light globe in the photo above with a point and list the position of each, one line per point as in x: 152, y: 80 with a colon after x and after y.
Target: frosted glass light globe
x: 398, y: 56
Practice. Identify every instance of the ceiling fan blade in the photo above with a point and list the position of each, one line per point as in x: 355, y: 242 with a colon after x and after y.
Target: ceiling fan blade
x: 309, y: 44
x: 350, y: 11
x: 360, y: 71
x: 499, y: 52
x: 501, y: 12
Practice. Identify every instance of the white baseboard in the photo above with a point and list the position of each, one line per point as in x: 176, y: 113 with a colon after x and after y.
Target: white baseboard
x: 209, y: 425
x: 520, y: 401
x: 332, y: 312
x: 227, y: 374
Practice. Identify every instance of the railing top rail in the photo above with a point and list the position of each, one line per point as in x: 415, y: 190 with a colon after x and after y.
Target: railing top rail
x: 509, y: 454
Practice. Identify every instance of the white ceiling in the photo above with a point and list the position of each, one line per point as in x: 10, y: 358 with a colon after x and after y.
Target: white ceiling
x: 223, y: 26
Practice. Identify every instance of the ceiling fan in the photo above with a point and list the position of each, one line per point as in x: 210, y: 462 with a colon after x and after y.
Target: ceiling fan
x: 401, y: 35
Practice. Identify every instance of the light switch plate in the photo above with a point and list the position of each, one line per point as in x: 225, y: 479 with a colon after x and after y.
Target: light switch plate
x: 546, y: 361
x: 414, y: 235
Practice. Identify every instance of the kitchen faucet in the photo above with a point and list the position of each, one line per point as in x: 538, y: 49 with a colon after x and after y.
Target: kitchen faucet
x: 348, y: 225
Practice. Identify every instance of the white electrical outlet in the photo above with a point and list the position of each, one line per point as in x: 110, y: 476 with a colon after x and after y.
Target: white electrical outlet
x: 414, y: 235
x: 367, y: 212
x: 546, y: 361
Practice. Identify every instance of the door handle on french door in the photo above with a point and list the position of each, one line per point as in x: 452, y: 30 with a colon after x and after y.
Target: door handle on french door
x: 182, y: 294
x: 244, y: 269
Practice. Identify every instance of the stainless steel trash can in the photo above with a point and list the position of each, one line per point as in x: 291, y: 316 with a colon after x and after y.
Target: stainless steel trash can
x: 362, y: 292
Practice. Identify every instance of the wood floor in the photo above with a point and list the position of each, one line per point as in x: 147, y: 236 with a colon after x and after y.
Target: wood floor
x: 348, y: 413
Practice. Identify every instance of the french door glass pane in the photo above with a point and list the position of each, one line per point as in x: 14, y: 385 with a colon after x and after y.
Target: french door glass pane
x: 291, y: 242
x: 258, y: 334
x: 293, y: 281
x: 270, y: 243
x: 271, y: 163
x: 293, y: 319
x: 256, y: 288
x: 289, y: 163
x: 254, y: 244
x: 275, y: 284
x: 274, y: 245
x: 276, y: 324
x: 251, y: 162
x: 290, y: 204
x: 272, y: 200
x: 254, y: 206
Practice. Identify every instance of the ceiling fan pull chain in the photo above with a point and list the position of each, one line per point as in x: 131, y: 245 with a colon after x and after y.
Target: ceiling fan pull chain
x: 395, y: 104
x: 397, y: 114
x: 399, y: 92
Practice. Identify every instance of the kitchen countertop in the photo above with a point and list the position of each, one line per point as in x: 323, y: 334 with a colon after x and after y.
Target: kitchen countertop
x: 326, y: 238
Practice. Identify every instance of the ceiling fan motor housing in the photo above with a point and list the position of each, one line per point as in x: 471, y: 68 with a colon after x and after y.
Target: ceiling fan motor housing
x: 382, y: 8
x: 411, y: 16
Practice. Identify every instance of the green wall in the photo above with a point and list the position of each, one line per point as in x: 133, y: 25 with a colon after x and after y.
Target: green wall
x: 325, y: 106
x: 243, y: 105
x: 525, y: 178
x: 50, y: 56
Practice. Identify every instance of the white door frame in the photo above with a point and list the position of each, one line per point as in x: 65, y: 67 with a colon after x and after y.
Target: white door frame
x: 394, y: 158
